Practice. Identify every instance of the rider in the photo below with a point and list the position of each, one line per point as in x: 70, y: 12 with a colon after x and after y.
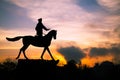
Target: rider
x: 39, y: 28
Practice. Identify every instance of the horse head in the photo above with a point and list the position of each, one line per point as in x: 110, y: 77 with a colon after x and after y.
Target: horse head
x: 53, y: 33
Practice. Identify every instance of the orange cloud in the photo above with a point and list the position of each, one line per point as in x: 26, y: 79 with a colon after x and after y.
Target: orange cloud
x: 90, y: 62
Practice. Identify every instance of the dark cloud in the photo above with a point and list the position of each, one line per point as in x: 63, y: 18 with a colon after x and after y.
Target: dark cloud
x: 98, y: 52
x: 115, y: 45
x: 114, y: 50
x: 72, y: 53
x: 104, y: 51
x: 117, y: 30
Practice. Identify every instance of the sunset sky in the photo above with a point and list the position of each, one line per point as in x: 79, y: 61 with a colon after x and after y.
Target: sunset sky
x: 87, y: 30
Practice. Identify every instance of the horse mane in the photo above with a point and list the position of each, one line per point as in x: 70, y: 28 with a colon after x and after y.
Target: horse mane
x: 51, y: 32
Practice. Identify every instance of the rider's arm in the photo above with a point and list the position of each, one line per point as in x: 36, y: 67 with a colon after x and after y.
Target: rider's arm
x: 45, y: 28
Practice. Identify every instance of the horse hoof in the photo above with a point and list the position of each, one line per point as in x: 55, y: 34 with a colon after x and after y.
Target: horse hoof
x: 55, y: 60
x: 17, y: 58
x: 26, y: 58
x: 42, y: 58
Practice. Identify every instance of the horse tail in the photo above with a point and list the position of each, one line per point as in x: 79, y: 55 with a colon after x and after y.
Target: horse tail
x: 15, y: 38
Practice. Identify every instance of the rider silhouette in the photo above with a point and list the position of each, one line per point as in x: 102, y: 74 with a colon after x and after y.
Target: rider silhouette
x: 39, y: 28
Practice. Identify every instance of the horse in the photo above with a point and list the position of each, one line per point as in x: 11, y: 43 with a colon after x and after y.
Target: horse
x: 37, y: 41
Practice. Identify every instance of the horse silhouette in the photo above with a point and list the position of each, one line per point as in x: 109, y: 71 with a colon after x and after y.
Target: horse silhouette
x: 37, y: 41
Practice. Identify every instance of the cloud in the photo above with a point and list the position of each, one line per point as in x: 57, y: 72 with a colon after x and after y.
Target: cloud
x: 98, y: 52
x: 113, y: 32
x: 111, y: 5
x: 72, y: 53
x: 63, y: 15
x: 117, y: 31
x: 114, y: 51
x: 104, y: 51
x: 67, y: 12
x: 70, y: 18
x: 106, y: 30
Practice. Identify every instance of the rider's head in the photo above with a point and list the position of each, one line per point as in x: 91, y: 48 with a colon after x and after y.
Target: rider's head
x: 40, y: 19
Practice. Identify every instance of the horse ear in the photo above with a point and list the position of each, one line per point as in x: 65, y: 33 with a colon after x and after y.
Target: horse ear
x: 56, y: 31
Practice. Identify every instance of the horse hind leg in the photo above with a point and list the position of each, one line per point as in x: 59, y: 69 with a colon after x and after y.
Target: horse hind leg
x: 23, y: 49
x: 19, y: 54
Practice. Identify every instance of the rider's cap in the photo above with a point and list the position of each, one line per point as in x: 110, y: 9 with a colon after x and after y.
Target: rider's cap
x: 40, y: 19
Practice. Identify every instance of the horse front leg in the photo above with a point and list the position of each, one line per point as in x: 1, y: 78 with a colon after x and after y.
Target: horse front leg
x: 50, y: 53
x: 43, y: 53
